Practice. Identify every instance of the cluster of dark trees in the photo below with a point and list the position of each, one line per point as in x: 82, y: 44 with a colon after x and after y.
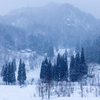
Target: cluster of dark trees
x: 46, y: 70
x: 78, y: 67
x: 56, y: 72
x: 8, y: 73
x: 60, y: 71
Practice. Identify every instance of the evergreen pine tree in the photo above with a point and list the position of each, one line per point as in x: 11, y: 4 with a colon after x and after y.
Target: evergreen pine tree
x: 83, y: 66
x: 54, y: 72
x: 46, y: 71
x: 5, y: 78
x: 65, y: 67
x: 46, y: 74
x: 49, y: 72
x: 42, y: 72
x: 19, y: 78
x: 60, y: 70
x: 72, y: 69
x: 49, y: 77
x: 23, y: 73
x: 57, y: 68
x: 82, y: 57
x: 77, y: 66
x: 9, y: 73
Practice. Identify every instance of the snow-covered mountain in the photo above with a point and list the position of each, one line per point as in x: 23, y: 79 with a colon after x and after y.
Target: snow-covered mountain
x: 54, y: 24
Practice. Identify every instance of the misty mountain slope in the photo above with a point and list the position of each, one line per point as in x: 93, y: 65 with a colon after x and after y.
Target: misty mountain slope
x: 59, y: 25
x: 11, y: 37
x: 51, y: 14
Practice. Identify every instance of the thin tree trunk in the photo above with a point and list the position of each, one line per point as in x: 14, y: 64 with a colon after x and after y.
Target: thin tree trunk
x: 6, y: 82
x: 81, y: 86
x: 42, y: 91
x: 49, y: 90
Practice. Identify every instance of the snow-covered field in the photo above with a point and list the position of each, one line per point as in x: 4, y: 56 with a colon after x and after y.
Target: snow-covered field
x: 30, y: 93
x: 17, y: 93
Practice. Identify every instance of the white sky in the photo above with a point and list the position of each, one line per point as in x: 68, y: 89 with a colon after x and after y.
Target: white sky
x: 89, y: 6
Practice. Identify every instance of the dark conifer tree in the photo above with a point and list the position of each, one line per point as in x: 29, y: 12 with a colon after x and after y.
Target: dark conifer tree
x: 61, y: 69
x: 49, y: 72
x: 19, y: 78
x: 44, y: 67
x: 46, y: 71
x: 77, y: 66
x: 21, y: 73
x: 58, y: 60
x: 65, y: 66
x: 42, y: 72
x: 54, y: 71
x: 9, y: 73
x: 57, y: 68
x: 49, y: 77
x: 83, y: 66
x: 82, y: 57
x: 5, y: 77
x: 72, y: 69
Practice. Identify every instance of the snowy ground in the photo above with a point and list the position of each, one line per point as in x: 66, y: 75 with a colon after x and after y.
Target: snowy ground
x: 16, y: 93
x: 29, y: 93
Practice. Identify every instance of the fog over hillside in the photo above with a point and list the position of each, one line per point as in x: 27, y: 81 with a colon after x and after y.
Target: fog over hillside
x: 53, y: 24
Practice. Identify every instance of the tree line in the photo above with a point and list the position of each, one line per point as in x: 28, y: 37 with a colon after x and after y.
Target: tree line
x: 60, y: 71
x: 78, y: 67
x: 8, y: 73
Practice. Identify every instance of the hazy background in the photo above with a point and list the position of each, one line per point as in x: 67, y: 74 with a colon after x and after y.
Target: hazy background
x: 89, y: 6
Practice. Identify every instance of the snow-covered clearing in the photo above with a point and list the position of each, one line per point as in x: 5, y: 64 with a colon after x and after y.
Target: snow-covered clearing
x: 30, y: 93
x: 16, y: 93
